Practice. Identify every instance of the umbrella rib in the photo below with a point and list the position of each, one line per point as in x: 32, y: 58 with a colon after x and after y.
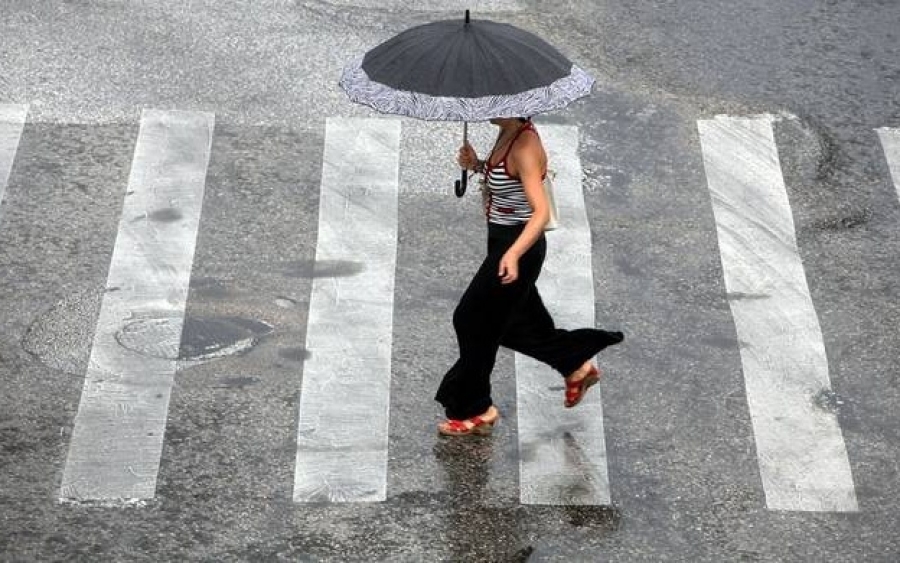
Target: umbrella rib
x: 510, y: 75
x: 445, y: 60
x: 399, y: 50
x: 553, y: 57
x: 412, y: 65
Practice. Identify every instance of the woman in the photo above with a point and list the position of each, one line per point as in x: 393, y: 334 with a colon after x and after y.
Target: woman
x: 501, y: 306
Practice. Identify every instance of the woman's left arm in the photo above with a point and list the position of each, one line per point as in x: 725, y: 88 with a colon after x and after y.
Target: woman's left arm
x: 528, y: 158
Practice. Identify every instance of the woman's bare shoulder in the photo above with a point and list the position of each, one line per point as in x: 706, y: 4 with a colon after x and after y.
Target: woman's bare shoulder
x: 529, y: 151
x: 529, y: 142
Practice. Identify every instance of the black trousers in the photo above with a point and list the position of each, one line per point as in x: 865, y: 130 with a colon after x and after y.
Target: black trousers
x: 490, y: 315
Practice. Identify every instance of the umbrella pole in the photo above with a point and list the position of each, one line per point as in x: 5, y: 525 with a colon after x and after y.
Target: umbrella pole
x: 463, y: 182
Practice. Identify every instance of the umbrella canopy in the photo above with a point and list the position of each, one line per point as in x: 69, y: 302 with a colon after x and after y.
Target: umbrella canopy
x: 465, y: 70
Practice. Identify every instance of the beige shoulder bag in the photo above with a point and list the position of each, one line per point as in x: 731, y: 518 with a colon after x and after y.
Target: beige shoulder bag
x: 553, y: 222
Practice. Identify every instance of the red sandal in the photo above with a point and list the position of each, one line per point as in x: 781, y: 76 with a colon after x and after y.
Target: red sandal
x: 467, y: 427
x: 575, y: 390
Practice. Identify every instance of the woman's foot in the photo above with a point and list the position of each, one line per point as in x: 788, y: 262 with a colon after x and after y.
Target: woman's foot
x: 480, y: 425
x: 579, y: 382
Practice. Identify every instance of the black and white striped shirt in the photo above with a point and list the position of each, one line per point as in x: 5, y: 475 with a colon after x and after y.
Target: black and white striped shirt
x: 507, y: 203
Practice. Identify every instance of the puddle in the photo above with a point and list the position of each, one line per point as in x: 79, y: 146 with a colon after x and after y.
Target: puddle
x: 322, y: 268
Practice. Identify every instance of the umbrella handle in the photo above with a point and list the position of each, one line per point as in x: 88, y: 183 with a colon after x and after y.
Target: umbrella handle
x: 460, y: 188
x: 462, y: 184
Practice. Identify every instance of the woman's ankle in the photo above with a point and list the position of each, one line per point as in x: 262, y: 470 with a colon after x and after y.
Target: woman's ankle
x: 580, y: 373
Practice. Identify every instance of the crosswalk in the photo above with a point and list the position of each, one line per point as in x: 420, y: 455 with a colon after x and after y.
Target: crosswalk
x: 562, y: 453
x: 782, y: 349
x: 118, y: 432
x: 12, y: 121
x: 890, y: 141
x: 343, y: 446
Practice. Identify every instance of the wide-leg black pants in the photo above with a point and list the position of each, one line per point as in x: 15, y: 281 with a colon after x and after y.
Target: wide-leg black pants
x: 490, y: 315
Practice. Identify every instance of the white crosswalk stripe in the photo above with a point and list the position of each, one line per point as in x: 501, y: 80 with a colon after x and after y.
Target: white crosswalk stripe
x: 342, y: 445
x: 12, y: 121
x: 452, y: 8
x: 890, y: 141
x: 562, y: 452
x: 802, y: 457
x: 117, y: 441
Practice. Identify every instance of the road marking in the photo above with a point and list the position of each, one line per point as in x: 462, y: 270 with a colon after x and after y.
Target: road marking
x: 800, y: 449
x: 12, y: 122
x: 342, y: 435
x: 454, y: 7
x: 562, y: 452
x: 890, y: 142
x: 117, y: 440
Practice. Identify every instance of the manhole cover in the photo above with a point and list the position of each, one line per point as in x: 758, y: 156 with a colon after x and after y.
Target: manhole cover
x: 201, y: 338
x: 61, y: 338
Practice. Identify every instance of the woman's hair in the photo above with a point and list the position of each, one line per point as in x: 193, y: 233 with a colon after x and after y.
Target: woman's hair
x: 524, y: 119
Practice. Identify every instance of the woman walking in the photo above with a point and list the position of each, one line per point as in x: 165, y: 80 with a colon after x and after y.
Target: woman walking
x: 501, y: 306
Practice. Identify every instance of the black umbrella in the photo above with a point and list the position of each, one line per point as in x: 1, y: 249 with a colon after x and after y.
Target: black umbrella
x: 465, y: 71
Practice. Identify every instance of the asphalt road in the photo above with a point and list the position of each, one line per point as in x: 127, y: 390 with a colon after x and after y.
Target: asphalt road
x: 683, y: 464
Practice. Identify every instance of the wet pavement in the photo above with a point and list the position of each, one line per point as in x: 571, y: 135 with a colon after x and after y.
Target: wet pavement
x: 682, y: 459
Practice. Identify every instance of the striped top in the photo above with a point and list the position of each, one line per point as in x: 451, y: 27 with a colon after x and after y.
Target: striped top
x: 507, y: 203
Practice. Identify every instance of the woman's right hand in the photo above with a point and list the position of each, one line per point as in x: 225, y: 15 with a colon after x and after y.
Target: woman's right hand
x: 467, y: 158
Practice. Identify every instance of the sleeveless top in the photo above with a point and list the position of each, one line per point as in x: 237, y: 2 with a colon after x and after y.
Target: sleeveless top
x: 507, y: 203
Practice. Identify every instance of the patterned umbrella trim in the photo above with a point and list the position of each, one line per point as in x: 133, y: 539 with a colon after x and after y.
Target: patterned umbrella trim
x: 363, y: 90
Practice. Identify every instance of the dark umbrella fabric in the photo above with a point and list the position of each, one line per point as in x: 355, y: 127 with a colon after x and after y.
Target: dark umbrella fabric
x: 458, y: 70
